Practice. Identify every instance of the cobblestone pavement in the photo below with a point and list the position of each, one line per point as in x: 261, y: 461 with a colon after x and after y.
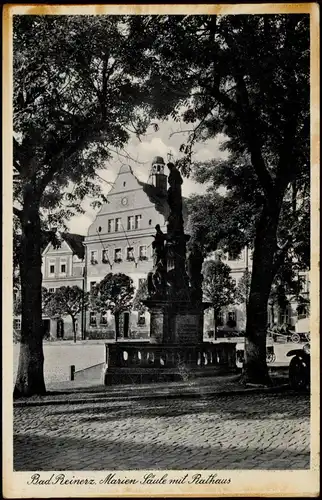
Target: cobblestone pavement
x: 248, y: 431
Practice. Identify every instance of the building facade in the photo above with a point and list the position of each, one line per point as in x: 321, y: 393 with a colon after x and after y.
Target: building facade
x: 233, y: 317
x: 120, y: 241
x: 63, y: 266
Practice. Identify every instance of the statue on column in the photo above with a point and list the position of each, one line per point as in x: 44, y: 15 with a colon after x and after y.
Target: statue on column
x: 158, y: 245
x: 157, y: 278
x: 175, y: 220
x: 194, y: 267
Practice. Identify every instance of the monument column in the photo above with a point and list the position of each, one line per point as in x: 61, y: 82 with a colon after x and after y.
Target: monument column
x: 175, y: 296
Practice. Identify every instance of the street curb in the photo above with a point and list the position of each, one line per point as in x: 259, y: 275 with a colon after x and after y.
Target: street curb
x: 176, y: 395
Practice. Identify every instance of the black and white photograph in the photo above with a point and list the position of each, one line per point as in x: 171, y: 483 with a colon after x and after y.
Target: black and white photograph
x: 161, y: 250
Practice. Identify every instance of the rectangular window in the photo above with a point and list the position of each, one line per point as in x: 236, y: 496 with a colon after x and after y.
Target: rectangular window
x: 62, y: 268
x: 130, y: 254
x: 92, y: 318
x: 142, y: 252
x: 51, y: 268
x: 130, y: 222
x: 141, y: 319
x: 284, y: 317
x: 220, y: 319
x: 118, y: 255
x: 138, y: 221
x: 231, y: 319
x: 232, y: 316
x: 105, y: 256
x: 17, y: 323
x: 92, y: 285
x: 103, y: 318
x: 93, y: 257
x: 51, y: 290
x: 118, y: 222
x: 110, y: 224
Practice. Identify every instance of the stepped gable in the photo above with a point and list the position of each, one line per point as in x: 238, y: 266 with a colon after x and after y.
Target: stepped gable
x: 75, y: 241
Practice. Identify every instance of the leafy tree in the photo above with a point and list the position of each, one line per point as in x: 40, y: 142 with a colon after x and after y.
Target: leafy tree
x: 218, y: 286
x: 246, y: 77
x: 243, y: 287
x: 141, y: 294
x: 77, y: 84
x: 66, y: 301
x: 114, y: 293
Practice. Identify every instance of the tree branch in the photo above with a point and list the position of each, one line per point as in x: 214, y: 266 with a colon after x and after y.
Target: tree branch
x: 280, y: 254
x: 252, y: 139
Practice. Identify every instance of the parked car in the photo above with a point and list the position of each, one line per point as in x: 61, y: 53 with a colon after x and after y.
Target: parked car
x: 299, y: 368
x: 287, y: 335
x: 240, y: 353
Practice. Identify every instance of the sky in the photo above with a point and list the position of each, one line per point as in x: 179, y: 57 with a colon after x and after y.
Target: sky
x: 154, y: 143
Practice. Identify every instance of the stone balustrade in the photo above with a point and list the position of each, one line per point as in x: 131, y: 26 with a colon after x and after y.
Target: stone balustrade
x: 140, y: 359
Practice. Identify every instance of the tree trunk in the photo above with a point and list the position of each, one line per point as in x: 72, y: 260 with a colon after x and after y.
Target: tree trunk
x: 215, y: 323
x: 117, y: 325
x: 74, y: 328
x: 255, y: 367
x: 30, y: 376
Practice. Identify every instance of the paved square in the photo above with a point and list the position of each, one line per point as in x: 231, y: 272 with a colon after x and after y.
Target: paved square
x: 250, y: 431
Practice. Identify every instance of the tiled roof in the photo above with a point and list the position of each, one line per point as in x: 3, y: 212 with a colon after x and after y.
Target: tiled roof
x: 75, y: 241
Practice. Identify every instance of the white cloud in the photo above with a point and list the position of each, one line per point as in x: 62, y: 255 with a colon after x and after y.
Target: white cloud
x: 80, y: 223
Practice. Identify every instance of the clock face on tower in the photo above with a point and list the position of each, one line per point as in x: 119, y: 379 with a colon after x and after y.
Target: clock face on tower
x: 124, y: 201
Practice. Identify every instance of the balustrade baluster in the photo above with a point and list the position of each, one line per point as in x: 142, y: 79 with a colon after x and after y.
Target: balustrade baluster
x: 133, y: 357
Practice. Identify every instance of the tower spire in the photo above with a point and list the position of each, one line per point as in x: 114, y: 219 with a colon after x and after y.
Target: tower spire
x: 157, y: 176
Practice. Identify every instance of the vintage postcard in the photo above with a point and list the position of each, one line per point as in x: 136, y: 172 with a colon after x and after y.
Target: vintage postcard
x: 161, y: 250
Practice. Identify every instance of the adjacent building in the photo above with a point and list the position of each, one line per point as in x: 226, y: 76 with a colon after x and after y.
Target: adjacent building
x: 233, y: 317
x: 63, y: 266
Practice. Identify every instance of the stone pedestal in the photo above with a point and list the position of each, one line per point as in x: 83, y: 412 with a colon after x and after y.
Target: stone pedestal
x: 176, y: 322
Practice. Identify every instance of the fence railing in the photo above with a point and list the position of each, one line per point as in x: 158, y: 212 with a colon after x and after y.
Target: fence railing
x: 168, y: 357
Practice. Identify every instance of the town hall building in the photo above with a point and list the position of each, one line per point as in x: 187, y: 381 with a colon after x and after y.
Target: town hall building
x: 120, y: 241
